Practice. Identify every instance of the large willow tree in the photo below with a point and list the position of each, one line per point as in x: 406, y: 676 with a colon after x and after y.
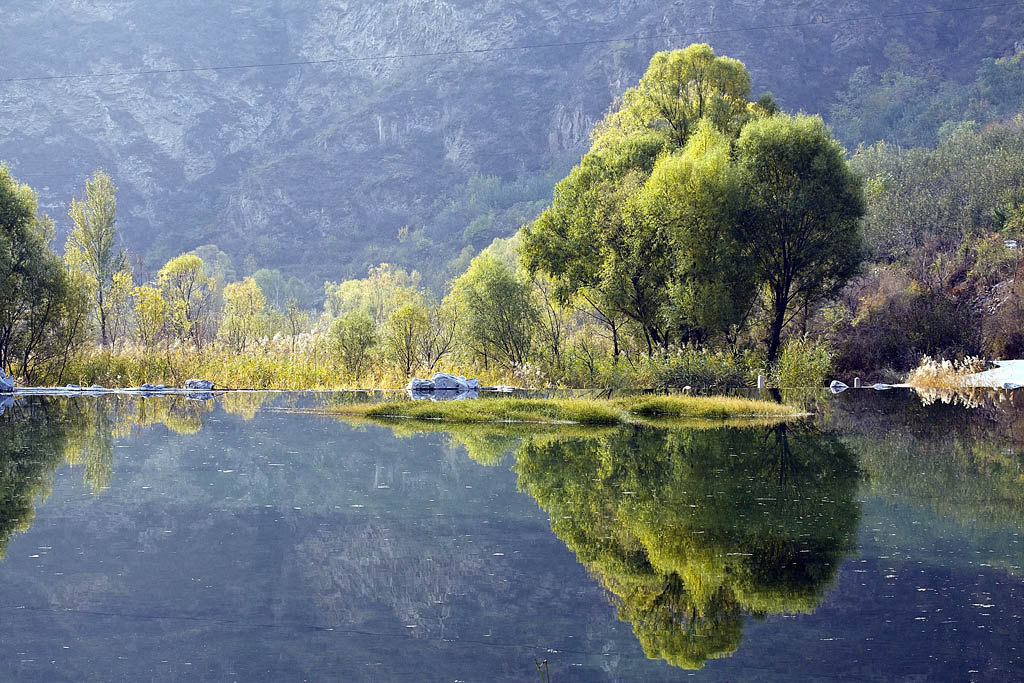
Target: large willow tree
x: 694, y: 200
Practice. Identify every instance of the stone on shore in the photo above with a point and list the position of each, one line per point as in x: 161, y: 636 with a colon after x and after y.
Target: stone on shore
x: 442, y: 381
x: 6, y: 383
x: 198, y: 385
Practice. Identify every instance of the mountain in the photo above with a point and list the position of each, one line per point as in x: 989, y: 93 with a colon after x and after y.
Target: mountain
x: 388, y: 147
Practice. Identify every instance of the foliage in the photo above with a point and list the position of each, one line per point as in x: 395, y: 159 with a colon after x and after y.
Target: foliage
x: 652, y: 514
x: 801, y: 222
x: 91, y: 247
x: 353, y: 337
x: 245, y: 316
x: 189, y: 293
x: 42, y: 317
x: 803, y: 363
x: 497, y: 312
x: 150, y: 314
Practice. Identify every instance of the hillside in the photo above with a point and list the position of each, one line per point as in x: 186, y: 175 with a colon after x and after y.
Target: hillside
x: 323, y: 169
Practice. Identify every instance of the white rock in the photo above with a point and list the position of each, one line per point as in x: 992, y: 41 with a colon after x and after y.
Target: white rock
x: 445, y: 382
x: 6, y: 383
x: 417, y: 384
x: 198, y: 384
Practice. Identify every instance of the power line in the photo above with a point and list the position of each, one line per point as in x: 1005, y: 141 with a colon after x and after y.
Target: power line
x: 508, y: 48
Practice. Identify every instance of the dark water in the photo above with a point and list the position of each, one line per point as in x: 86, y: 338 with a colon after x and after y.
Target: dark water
x: 166, y: 539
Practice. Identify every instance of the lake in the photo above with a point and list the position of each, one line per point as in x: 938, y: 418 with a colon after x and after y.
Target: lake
x: 251, y: 538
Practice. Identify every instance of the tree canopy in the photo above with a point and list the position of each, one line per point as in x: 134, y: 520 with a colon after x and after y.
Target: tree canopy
x: 693, y: 199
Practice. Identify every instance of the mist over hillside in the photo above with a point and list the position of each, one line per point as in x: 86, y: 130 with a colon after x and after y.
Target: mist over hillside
x: 323, y: 169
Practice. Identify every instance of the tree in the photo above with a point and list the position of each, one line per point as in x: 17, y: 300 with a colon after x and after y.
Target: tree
x: 695, y: 198
x: 803, y: 206
x: 497, y: 309
x: 383, y: 289
x: 600, y: 242
x: 294, y: 319
x: 681, y: 88
x: 92, y: 245
x: 189, y: 293
x: 439, y: 339
x: 403, y: 334
x: 588, y: 242
x: 150, y: 314
x: 353, y: 337
x: 41, y: 321
x: 245, y: 314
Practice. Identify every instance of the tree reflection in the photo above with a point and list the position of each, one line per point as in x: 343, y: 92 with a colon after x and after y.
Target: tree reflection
x: 37, y: 436
x: 692, y: 529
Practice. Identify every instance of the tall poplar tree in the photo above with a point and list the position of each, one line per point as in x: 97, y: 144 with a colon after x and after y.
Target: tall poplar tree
x: 92, y: 244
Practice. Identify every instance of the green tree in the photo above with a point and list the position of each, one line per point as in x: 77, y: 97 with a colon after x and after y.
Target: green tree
x: 403, y: 334
x: 41, y: 316
x: 189, y: 293
x: 610, y: 250
x: 801, y: 222
x: 383, y: 289
x: 92, y: 245
x: 679, y: 89
x: 594, y: 248
x: 150, y: 314
x: 245, y: 314
x: 353, y: 337
x: 695, y: 198
x: 497, y: 311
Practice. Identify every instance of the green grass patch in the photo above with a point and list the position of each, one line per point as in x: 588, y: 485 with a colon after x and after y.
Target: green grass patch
x: 707, y: 407
x: 574, y: 411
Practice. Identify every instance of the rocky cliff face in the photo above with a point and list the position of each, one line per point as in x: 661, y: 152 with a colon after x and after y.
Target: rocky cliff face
x: 314, y: 169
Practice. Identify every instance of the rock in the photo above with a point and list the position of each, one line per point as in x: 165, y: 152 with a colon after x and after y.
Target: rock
x: 837, y: 387
x: 73, y: 387
x: 443, y: 395
x: 445, y: 382
x: 6, y: 403
x: 198, y: 385
x: 6, y: 383
x: 442, y: 381
x: 1011, y: 385
x: 152, y: 387
x: 881, y: 387
x: 417, y: 384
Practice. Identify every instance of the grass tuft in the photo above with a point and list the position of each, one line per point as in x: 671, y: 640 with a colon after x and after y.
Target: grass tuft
x: 569, y: 411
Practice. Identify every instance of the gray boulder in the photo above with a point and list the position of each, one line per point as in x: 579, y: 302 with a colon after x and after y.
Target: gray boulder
x: 198, y: 385
x: 837, y: 387
x: 152, y: 387
x: 445, y: 382
x: 419, y: 385
x: 6, y: 383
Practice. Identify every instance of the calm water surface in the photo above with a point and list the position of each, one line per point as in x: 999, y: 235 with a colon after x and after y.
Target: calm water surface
x: 237, y: 539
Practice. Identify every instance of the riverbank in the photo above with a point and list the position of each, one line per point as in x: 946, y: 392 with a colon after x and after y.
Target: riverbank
x: 570, y: 411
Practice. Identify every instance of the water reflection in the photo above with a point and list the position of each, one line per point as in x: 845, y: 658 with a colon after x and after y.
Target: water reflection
x: 692, y: 529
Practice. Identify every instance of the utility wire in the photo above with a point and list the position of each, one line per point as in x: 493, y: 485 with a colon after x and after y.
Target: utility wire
x: 508, y: 48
